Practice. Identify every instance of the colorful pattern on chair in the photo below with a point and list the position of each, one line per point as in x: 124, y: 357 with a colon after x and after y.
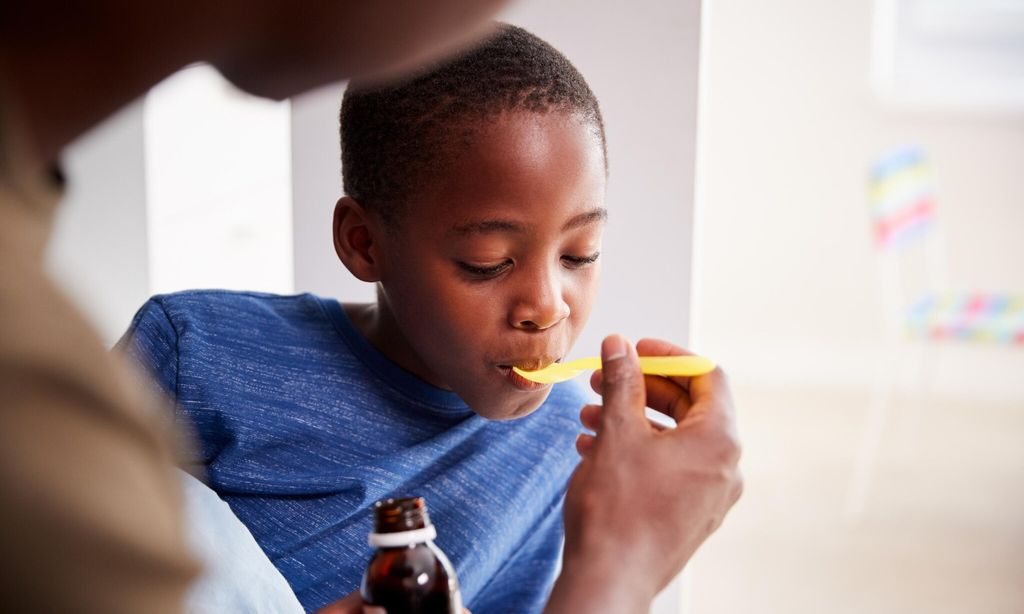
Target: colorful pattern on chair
x: 997, y: 318
x: 901, y: 195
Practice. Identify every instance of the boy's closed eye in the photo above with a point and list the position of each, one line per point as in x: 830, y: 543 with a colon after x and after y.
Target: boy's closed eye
x: 488, y: 270
x: 578, y: 262
x: 485, y: 271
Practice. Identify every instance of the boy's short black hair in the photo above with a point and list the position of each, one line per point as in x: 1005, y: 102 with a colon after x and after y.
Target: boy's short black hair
x: 393, y: 136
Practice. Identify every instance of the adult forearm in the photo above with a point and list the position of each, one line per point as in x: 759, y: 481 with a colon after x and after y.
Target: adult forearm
x: 598, y: 587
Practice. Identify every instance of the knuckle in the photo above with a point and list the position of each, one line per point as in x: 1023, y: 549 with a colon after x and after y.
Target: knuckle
x: 614, y: 422
x: 622, y: 377
x: 736, y: 453
x: 738, y: 485
x: 726, y: 450
x: 615, y: 372
x: 721, y: 378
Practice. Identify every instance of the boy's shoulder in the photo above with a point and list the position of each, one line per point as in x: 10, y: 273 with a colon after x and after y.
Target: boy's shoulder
x: 212, y: 298
x: 229, y: 305
x: 228, y: 314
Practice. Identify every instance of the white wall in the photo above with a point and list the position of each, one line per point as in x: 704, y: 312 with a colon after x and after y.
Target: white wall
x: 316, y: 187
x: 218, y: 184
x: 788, y: 294
x: 641, y: 60
x: 187, y: 188
x: 98, y: 252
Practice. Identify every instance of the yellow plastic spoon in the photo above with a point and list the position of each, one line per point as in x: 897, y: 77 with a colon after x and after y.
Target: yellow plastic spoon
x: 688, y: 366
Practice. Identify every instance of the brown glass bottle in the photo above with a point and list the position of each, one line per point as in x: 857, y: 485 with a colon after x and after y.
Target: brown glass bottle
x: 408, y: 574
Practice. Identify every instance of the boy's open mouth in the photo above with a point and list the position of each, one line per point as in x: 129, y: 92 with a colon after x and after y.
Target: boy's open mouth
x: 521, y: 382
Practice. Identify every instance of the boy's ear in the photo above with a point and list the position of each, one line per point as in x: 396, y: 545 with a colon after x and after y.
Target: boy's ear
x: 356, y: 238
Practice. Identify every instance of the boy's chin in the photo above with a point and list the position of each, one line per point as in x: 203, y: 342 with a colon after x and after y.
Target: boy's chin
x: 517, y: 406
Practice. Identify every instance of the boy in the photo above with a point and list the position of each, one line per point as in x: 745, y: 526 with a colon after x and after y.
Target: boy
x: 475, y: 203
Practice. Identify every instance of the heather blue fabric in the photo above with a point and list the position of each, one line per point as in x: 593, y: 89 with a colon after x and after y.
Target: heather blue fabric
x: 302, y: 425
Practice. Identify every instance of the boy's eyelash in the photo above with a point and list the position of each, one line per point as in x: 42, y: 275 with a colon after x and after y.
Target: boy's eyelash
x: 488, y: 271
x: 582, y: 260
x: 485, y: 272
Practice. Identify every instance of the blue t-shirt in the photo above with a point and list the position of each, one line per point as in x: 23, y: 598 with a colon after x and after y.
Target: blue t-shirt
x: 302, y: 425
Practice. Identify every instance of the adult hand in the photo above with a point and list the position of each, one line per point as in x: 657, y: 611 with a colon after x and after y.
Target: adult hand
x: 350, y: 604
x: 644, y: 498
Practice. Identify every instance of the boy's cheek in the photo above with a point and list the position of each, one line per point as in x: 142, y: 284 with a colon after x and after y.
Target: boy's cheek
x: 583, y: 304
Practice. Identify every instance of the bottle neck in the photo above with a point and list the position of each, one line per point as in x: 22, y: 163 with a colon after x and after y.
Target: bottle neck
x: 401, y: 539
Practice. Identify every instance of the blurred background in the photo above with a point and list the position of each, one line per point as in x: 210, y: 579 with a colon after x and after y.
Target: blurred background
x: 825, y: 197
x: 884, y: 469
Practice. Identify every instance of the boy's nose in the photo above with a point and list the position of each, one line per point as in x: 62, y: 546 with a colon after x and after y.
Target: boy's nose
x: 544, y: 309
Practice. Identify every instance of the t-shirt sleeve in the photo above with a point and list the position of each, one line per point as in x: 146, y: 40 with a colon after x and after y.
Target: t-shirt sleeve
x: 151, y: 343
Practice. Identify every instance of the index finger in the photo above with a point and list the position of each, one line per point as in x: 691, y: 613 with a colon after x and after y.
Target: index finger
x: 660, y: 347
x: 706, y: 392
x: 710, y: 397
x: 711, y: 393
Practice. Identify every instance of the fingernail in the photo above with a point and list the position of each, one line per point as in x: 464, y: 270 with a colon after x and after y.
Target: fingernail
x: 613, y: 348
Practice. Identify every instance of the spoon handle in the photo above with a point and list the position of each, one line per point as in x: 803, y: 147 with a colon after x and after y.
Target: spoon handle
x: 685, y: 366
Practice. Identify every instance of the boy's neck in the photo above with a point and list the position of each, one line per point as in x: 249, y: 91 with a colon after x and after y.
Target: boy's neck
x: 376, y: 323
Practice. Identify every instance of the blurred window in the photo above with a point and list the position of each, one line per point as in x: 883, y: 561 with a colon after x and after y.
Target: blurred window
x: 962, y: 54
x: 218, y: 180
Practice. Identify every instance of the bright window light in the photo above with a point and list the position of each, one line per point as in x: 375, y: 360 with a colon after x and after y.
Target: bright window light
x: 950, y: 54
x: 218, y: 186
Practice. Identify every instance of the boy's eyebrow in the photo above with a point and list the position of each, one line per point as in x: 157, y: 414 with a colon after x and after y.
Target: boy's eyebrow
x: 488, y: 226
x: 596, y: 215
x: 499, y: 225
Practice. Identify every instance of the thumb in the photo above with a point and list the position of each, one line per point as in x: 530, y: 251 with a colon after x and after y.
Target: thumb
x: 622, y: 385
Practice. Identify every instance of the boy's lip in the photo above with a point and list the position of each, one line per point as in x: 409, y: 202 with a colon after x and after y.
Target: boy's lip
x: 519, y: 381
x: 528, y: 364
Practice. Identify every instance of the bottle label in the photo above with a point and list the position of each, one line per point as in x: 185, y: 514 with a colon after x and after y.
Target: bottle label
x: 373, y: 609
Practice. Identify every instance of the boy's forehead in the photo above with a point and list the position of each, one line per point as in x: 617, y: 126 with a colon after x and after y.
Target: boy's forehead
x: 489, y: 224
x: 520, y: 170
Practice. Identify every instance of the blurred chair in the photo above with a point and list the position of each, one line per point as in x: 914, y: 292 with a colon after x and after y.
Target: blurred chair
x: 912, y: 263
